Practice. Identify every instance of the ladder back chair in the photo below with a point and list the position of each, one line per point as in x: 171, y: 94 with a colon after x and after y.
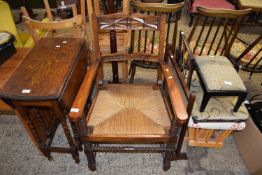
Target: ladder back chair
x: 125, y: 113
x: 102, y: 7
x: 211, y: 38
x: 172, y: 12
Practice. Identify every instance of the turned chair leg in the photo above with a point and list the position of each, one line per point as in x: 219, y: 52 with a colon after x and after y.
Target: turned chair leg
x: 90, y: 155
x: 132, y: 72
x: 47, y: 154
x: 167, y: 161
x: 204, y: 102
x: 241, y: 98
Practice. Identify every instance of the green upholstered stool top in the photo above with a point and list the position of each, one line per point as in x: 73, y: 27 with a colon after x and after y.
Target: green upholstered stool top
x: 219, y: 74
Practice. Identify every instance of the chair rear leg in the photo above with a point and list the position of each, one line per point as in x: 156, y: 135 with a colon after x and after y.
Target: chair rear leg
x: 191, y: 19
x: 90, y: 155
x: 132, y: 72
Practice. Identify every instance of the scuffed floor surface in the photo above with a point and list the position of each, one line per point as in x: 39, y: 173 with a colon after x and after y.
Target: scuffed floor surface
x: 19, y: 156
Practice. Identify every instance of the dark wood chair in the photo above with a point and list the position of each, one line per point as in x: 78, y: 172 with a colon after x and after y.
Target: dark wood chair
x: 125, y: 113
x: 250, y: 60
x: 218, y: 4
x: 172, y: 11
x: 214, y: 33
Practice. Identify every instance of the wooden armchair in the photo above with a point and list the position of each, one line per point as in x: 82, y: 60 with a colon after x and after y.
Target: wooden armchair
x: 172, y: 11
x: 126, y: 113
x: 211, y: 38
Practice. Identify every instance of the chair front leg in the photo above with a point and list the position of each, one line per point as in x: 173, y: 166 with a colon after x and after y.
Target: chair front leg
x: 168, y: 155
x: 76, y: 131
x: 90, y: 155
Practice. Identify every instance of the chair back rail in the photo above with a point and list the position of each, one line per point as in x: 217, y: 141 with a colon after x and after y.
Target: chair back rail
x: 135, y: 22
x: 172, y: 11
x: 75, y: 23
x: 215, y: 30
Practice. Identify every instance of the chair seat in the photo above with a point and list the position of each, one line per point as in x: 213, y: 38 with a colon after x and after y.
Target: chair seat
x: 219, y: 74
x: 224, y: 4
x: 129, y: 110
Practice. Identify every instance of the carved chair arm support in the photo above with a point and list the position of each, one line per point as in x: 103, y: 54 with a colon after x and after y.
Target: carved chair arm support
x: 176, y: 95
x: 83, y: 93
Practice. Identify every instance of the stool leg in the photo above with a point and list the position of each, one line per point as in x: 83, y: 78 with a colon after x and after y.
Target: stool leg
x: 204, y: 102
x: 240, y: 99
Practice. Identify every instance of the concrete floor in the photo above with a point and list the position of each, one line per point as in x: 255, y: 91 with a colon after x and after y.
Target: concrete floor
x: 19, y: 156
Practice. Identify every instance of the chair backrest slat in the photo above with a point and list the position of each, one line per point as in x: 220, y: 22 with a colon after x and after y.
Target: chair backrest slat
x: 215, y: 30
x: 139, y: 24
x: 172, y: 11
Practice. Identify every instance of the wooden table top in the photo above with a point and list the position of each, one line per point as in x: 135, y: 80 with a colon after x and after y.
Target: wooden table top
x: 44, y: 72
x: 256, y: 5
x: 8, y: 68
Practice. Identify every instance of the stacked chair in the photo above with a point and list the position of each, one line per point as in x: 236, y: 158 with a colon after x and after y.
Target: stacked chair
x: 215, y: 117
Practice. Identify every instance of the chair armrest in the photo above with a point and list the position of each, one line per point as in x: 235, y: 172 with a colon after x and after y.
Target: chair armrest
x: 176, y: 95
x: 83, y: 93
